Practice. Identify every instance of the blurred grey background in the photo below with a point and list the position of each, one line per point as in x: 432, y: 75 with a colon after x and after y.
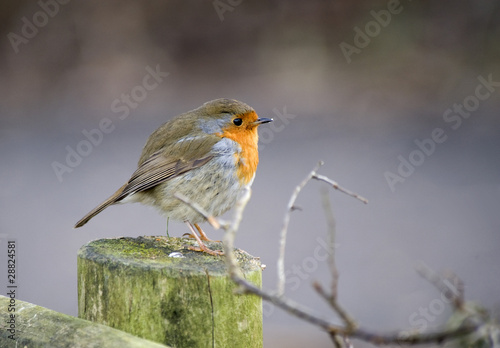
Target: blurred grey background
x: 356, y: 84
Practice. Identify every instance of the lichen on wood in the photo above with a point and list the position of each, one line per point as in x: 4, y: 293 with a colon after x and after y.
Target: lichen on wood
x: 34, y: 326
x: 156, y: 288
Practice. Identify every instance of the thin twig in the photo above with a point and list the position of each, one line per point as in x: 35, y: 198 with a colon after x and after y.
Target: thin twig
x: 306, y: 314
x: 457, y: 286
x: 332, y: 298
x: 235, y: 273
x: 453, y: 291
x: 341, y: 341
x: 349, y: 322
x: 199, y: 209
x: 416, y: 338
x: 290, y: 208
x: 331, y: 235
x: 337, y: 340
x: 230, y: 235
x: 336, y: 186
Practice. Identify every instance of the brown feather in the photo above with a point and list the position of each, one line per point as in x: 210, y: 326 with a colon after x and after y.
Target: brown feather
x: 111, y: 200
x: 156, y: 170
x: 159, y: 168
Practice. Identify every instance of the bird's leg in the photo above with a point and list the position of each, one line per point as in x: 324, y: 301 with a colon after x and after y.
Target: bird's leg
x: 203, y: 236
x: 168, y: 236
x: 202, y: 247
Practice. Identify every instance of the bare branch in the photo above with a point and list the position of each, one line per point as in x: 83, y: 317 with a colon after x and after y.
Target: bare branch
x: 453, y: 291
x: 290, y: 208
x: 210, y: 219
x: 337, y: 340
x: 230, y: 235
x: 339, y: 334
x: 416, y: 338
x: 295, y: 309
x: 341, y: 341
x: 454, y: 283
x: 336, y: 186
x: 331, y: 234
x: 349, y: 322
x: 305, y: 314
x: 236, y: 275
x: 332, y: 298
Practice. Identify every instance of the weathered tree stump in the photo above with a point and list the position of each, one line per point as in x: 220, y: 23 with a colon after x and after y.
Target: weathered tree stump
x: 155, y: 288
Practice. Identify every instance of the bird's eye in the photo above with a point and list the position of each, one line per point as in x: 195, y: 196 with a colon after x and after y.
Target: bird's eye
x: 237, y: 121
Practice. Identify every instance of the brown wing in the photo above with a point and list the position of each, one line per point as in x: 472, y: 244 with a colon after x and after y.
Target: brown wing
x: 158, y: 169
x: 167, y: 163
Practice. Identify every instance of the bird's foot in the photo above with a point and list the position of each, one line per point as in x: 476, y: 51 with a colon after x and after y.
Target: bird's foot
x: 204, y: 238
x: 203, y: 248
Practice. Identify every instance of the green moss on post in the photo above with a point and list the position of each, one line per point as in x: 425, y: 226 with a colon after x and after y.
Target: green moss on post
x: 34, y: 326
x: 142, y: 286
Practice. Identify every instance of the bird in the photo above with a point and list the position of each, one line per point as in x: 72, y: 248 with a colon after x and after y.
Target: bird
x: 209, y: 155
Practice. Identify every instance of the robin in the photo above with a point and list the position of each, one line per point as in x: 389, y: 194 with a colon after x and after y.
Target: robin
x: 208, y: 155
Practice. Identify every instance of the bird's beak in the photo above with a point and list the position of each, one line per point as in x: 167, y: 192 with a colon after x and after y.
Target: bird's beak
x: 262, y: 120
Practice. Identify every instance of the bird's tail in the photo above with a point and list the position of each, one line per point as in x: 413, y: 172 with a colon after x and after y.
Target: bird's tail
x: 110, y: 201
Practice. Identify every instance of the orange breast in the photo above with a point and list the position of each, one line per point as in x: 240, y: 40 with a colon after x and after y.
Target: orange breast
x: 246, y: 163
x: 248, y: 159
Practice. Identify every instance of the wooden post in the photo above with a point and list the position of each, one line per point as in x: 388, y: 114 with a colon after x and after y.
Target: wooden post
x: 155, y: 288
x: 34, y: 326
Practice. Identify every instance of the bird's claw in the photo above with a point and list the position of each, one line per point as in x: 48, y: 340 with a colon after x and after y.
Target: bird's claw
x: 204, y: 249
